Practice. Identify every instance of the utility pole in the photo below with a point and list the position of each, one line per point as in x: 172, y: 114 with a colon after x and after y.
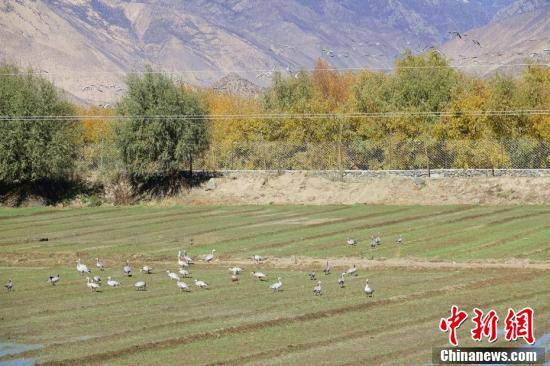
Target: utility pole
x: 340, y: 137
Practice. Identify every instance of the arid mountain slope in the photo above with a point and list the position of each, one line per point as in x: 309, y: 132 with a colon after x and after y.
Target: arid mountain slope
x: 515, y: 37
x: 87, y: 46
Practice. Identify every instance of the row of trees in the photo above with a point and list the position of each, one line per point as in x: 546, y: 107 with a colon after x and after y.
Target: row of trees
x: 435, y: 104
x: 46, y: 137
x: 420, y: 84
x: 162, y: 127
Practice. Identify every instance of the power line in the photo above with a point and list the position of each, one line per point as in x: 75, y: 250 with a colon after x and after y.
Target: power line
x: 282, y: 115
x: 282, y: 70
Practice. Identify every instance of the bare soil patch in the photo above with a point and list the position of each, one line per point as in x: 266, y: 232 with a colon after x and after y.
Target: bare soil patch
x: 308, y: 188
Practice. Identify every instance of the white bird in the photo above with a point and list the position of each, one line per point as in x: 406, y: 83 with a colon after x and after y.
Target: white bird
x: 368, y: 290
x: 140, y: 285
x: 96, y: 279
x: 172, y: 275
x: 146, y: 269
x: 112, y: 283
x: 127, y: 270
x: 258, y: 258
x: 92, y: 285
x: 326, y: 270
x: 186, y: 257
x: 372, y: 242
x: 209, y: 257
x: 184, y: 272
x: 259, y: 275
x: 81, y: 267
x: 99, y: 264
x: 352, y: 270
x: 235, y: 270
x: 377, y: 239
x: 54, y: 279
x: 277, y: 285
x: 9, y: 285
x: 341, y: 280
x: 201, y: 284
x: 399, y: 240
x: 183, y: 286
x: 317, y: 290
x: 351, y: 242
x: 182, y: 261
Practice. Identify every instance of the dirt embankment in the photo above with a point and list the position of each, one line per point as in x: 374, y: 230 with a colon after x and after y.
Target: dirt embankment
x: 309, y: 188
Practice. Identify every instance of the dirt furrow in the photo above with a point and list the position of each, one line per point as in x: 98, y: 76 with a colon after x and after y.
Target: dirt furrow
x: 359, y: 227
x: 359, y: 334
x: 173, y: 342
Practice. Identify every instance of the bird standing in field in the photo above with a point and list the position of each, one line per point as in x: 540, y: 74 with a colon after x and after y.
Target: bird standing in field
x: 172, y: 275
x: 99, y: 264
x: 368, y: 290
x: 93, y: 286
x: 81, y: 267
x: 111, y: 282
x: 351, y: 242
x: 341, y: 281
x: 182, y: 262
x: 378, y: 239
x: 317, y: 290
x: 9, y: 285
x: 140, y: 285
x: 201, y: 284
x: 352, y: 270
x: 127, y: 270
x: 372, y: 242
x: 209, y: 257
x: 326, y: 270
x: 183, y: 286
x: 54, y: 279
x: 312, y: 275
x: 184, y: 273
x: 259, y: 275
x: 146, y: 269
x: 187, y: 258
x: 96, y: 279
x: 258, y: 258
x: 399, y: 240
x: 235, y: 270
x: 277, y: 285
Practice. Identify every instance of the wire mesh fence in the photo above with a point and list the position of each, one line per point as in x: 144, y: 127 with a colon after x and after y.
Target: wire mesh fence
x: 383, y: 154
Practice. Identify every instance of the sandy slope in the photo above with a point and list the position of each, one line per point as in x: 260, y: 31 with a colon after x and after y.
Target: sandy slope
x: 304, y: 188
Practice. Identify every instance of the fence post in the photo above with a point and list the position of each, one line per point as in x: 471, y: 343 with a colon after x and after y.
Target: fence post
x: 340, y: 167
x: 390, y: 152
x: 427, y: 157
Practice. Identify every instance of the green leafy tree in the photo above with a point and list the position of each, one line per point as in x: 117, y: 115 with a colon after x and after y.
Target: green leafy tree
x: 152, y: 145
x: 39, y: 149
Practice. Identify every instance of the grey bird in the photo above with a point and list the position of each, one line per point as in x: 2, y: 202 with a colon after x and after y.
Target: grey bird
x: 368, y: 290
x: 9, y: 285
x: 326, y: 270
x: 54, y: 279
x: 127, y: 270
x: 317, y: 290
x: 341, y: 281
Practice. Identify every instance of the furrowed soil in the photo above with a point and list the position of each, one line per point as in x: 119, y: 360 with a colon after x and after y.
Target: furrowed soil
x: 489, y: 257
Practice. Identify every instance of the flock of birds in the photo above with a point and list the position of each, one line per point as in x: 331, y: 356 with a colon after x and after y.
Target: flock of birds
x: 184, y: 261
